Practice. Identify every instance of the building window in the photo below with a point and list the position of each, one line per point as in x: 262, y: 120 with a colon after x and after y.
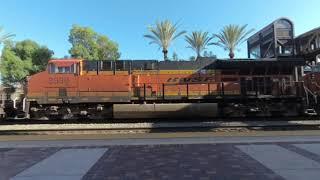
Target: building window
x: 288, y: 50
x: 255, y: 52
x: 280, y: 49
x: 284, y: 50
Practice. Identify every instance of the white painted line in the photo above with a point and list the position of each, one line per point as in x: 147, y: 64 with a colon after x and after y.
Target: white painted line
x: 285, y: 163
x: 314, y: 148
x: 71, y: 164
x: 156, y: 141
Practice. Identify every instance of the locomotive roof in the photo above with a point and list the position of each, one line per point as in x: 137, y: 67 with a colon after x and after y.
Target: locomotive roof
x: 64, y: 62
x: 203, y: 63
x: 255, y: 63
x: 212, y: 63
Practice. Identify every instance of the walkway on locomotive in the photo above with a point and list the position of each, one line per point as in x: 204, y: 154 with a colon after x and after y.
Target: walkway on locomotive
x: 75, y: 80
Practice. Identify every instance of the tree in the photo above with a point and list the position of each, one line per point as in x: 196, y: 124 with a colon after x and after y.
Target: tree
x: 88, y: 44
x: 4, y: 37
x: 212, y: 55
x: 13, y: 69
x: 231, y: 36
x: 205, y: 54
x: 107, y: 49
x: 37, y: 54
x: 198, y: 41
x: 192, y: 58
x: 175, y: 56
x: 162, y: 34
x: 21, y: 59
x: 209, y: 54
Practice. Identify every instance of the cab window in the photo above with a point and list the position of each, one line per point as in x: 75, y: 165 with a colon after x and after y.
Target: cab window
x: 64, y: 69
x: 54, y: 69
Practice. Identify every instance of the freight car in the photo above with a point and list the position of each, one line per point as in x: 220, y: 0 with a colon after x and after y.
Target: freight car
x: 159, y: 89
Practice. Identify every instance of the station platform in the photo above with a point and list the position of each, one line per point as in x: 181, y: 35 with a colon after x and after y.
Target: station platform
x: 282, y: 157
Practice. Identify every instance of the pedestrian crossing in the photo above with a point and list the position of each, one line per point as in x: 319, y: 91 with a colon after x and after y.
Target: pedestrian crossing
x: 66, y: 164
x: 283, y: 162
x: 313, y: 148
x: 75, y: 163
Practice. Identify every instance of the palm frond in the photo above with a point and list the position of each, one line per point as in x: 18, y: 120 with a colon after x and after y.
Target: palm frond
x: 163, y: 33
x: 179, y: 34
x: 5, y: 36
x: 198, y: 41
x: 154, y: 40
x: 231, y: 36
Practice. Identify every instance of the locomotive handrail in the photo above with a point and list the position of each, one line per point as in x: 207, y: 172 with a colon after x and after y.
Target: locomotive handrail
x: 99, y: 91
x: 307, y: 90
x: 316, y: 84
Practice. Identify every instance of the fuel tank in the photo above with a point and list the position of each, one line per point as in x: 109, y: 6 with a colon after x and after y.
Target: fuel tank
x: 173, y: 110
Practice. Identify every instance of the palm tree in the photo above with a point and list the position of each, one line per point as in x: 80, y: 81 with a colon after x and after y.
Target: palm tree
x: 4, y: 37
x: 198, y: 41
x: 163, y: 34
x: 231, y: 36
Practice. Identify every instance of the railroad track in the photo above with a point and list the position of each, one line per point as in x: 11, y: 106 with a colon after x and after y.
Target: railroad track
x: 125, y: 121
x: 151, y: 127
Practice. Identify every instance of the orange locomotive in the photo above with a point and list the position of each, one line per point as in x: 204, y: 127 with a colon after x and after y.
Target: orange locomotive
x: 71, y: 88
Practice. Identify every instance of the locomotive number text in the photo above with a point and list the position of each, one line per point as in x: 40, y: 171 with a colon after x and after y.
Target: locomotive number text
x: 59, y: 80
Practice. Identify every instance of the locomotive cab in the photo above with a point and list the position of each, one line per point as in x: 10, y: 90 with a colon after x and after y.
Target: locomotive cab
x: 64, y: 67
x: 56, y: 83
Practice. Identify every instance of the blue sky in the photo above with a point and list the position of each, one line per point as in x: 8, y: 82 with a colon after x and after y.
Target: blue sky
x: 126, y: 21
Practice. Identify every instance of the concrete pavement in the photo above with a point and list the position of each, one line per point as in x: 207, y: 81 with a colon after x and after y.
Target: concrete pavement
x: 283, y: 157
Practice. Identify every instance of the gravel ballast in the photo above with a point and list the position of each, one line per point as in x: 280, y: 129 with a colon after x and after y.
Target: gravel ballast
x: 100, y: 126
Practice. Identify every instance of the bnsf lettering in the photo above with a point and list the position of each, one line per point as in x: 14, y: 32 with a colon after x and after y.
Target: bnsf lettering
x: 59, y: 80
x: 173, y: 80
x: 190, y: 80
x: 209, y: 79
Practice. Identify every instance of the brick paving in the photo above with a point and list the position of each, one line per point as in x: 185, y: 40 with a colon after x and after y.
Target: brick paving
x: 178, y: 162
x: 194, y: 161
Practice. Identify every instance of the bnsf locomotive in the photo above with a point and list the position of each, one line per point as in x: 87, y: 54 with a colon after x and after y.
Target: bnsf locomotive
x: 158, y: 89
x: 272, y: 82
